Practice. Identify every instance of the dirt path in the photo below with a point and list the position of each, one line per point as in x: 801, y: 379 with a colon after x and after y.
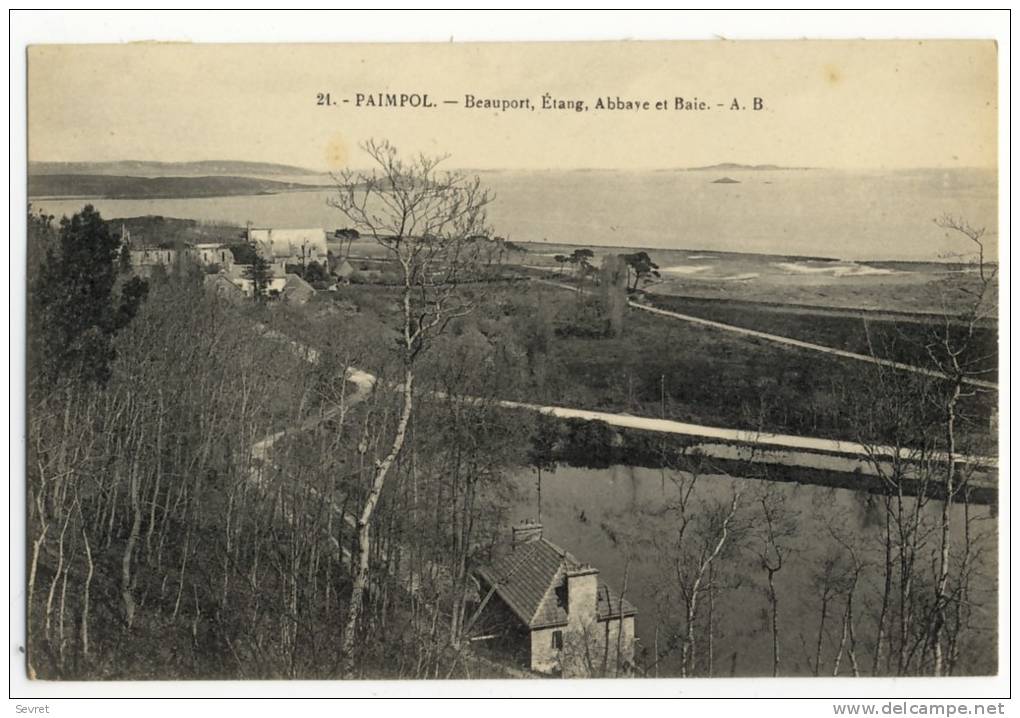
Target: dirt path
x: 847, y: 457
x: 786, y: 449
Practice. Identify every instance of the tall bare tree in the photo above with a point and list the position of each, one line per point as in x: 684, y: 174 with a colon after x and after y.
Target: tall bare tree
x: 955, y: 351
x: 775, y: 535
x: 429, y: 221
x: 702, y: 535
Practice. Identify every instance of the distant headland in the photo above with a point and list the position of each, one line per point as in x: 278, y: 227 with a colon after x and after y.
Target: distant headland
x: 736, y: 166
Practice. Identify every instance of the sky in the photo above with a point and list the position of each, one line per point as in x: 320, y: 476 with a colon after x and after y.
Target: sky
x: 833, y: 104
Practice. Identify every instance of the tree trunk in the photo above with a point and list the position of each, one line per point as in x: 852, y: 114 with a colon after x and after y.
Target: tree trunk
x: 129, y: 547
x: 711, y: 620
x: 773, y: 599
x: 886, y: 593
x: 36, y: 546
x: 963, y: 591
x: 852, y: 649
x: 85, y: 597
x: 821, y: 632
x: 365, y: 525
x: 939, y: 617
x: 159, y: 477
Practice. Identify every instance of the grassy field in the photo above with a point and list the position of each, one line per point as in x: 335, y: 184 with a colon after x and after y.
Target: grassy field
x: 681, y: 371
x: 885, y: 336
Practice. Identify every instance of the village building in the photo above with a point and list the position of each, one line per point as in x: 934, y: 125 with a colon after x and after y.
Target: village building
x: 296, y: 290
x: 553, y: 612
x: 145, y: 258
x: 213, y: 254
x: 290, y: 246
x: 226, y: 288
x: 344, y: 271
x: 276, y: 279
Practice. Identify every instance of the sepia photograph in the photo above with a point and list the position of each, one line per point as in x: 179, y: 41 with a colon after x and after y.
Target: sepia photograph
x: 511, y: 361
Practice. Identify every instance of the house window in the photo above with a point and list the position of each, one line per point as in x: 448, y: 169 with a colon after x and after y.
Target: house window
x: 557, y: 639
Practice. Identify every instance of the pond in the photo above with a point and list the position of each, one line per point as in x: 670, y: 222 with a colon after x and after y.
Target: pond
x: 618, y: 519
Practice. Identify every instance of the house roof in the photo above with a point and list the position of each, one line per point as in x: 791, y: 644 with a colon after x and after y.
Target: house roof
x: 529, y: 581
x: 297, y: 284
x: 223, y: 280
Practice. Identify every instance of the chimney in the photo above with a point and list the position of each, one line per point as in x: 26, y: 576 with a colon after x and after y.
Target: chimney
x: 582, y: 595
x: 525, y: 532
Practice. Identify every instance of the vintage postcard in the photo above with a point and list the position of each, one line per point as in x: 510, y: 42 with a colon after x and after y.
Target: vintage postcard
x: 512, y: 360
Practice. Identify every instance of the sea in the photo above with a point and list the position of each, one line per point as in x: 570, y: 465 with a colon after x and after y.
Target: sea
x: 848, y: 215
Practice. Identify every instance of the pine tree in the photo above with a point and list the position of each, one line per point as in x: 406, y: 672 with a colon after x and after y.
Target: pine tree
x: 76, y: 310
x: 259, y: 274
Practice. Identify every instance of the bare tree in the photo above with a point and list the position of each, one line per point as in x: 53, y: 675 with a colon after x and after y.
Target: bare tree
x: 826, y: 582
x: 957, y: 355
x: 428, y: 222
x: 775, y: 533
x: 701, y: 534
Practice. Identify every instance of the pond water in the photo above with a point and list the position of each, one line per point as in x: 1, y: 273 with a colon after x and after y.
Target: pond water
x: 616, y: 519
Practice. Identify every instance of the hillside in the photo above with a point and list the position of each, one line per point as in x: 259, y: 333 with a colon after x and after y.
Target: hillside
x: 119, y: 187
x: 138, y: 168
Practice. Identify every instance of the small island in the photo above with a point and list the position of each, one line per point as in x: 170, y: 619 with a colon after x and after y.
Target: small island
x: 725, y: 180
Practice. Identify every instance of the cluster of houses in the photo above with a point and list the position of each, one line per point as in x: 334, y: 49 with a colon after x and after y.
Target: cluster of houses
x: 280, y: 248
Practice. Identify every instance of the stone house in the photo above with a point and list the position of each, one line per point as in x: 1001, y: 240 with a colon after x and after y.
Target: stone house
x: 553, y: 612
x: 210, y: 254
x: 144, y: 258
